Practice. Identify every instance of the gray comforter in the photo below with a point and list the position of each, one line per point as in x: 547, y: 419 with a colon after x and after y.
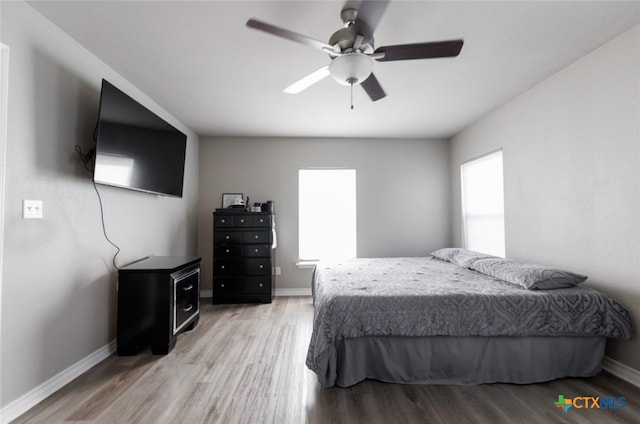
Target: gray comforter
x: 430, y: 297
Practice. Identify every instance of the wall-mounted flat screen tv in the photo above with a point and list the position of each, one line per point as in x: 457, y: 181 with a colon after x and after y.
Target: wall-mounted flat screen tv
x: 135, y: 148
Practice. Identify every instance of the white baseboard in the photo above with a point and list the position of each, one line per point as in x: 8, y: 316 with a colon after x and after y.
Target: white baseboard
x: 622, y: 371
x: 27, y: 401
x: 279, y: 292
x: 293, y: 292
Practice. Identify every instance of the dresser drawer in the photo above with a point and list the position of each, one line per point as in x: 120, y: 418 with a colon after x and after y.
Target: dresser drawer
x: 227, y: 250
x: 242, y: 221
x: 186, y: 309
x: 256, y: 250
x: 247, y: 285
x: 256, y: 236
x: 186, y: 290
x: 252, y: 266
x: 262, y: 221
x: 227, y: 237
x: 260, y: 266
x: 222, y: 221
x: 223, y: 267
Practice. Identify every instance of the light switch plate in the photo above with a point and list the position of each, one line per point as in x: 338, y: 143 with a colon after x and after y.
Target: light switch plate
x: 32, y: 209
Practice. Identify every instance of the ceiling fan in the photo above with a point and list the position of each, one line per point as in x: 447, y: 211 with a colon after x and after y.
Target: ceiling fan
x: 352, y: 50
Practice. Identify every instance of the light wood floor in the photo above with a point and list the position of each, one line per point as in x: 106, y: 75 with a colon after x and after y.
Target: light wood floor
x: 245, y: 364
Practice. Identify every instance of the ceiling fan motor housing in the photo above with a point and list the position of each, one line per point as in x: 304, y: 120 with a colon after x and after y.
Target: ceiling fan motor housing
x: 344, y: 39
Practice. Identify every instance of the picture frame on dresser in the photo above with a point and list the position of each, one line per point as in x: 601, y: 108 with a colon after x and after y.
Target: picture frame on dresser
x: 229, y: 199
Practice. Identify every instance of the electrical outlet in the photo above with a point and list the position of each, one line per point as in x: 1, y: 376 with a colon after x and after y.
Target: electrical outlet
x: 32, y: 209
x: 277, y: 270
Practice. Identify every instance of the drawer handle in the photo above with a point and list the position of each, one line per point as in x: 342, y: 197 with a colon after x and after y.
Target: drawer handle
x: 261, y: 220
x: 188, y: 308
x: 242, y: 220
x: 261, y: 266
x: 221, y: 285
x: 226, y: 237
x: 221, y: 266
x: 256, y: 250
x: 227, y: 250
x: 223, y: 220
x: 189, y: 287
x: 256, y: 236
x: 260, y: 284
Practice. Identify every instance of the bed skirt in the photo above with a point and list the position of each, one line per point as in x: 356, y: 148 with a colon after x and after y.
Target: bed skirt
x: 462, y: 360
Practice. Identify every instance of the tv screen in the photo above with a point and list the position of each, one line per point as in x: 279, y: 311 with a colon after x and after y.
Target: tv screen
x: 135, y: 148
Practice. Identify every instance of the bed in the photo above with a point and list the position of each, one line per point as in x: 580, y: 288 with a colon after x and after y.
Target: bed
x: 456, y: 317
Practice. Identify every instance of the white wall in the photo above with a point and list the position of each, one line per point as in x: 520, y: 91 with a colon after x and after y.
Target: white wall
x: 58, y: 294
x: 572, y: 174
x: 402, y: 192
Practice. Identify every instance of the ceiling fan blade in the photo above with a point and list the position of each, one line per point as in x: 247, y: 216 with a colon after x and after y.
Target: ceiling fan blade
x: 431, y: 50
x: 307, y: 81
x: 369, y: 11
x: 290, y: 35
x: 373, y: 88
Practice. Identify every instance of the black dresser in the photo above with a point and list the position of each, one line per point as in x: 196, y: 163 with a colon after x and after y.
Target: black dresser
x: 158, y: 298
x: 243, y: 257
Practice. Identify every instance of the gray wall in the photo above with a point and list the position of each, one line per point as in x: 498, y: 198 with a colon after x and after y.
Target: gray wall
x: 402, y: 192
x: 58, y: 294
x: 572, y: 174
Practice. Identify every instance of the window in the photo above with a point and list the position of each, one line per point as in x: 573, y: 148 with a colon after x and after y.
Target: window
x: 483, y: 204
x: 327, y: 214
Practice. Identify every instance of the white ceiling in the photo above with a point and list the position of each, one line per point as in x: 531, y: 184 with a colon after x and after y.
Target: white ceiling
x: 201, y: 63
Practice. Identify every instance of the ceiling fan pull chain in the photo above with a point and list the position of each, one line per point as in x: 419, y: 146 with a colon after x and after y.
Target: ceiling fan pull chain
x: 351, y: 85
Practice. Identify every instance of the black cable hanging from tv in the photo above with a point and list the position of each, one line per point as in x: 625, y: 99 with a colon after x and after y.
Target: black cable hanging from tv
x: 87, y: 160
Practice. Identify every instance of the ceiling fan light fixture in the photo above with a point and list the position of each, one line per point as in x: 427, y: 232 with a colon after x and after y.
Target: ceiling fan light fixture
x: 351, y: 68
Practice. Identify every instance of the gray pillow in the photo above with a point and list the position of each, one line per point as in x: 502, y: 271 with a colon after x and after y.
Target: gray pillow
x: 529, y: 276
x: 458, y: 256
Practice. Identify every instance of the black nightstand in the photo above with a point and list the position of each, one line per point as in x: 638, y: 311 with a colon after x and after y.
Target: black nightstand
x: 158, y: 297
